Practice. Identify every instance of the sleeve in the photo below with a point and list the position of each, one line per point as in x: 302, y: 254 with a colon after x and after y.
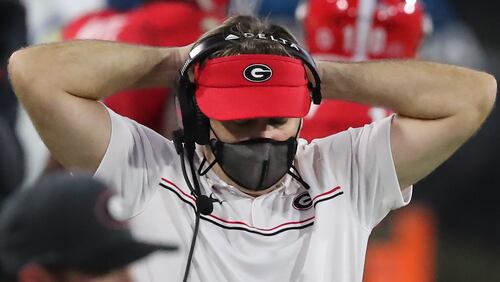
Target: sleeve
x: 146, y: 106
x: 133, y: 160
x: 362, y: 160
x: 71, y: 30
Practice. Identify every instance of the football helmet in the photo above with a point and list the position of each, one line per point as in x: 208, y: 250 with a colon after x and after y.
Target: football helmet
x: 355, y: 30
x: 218, y: 7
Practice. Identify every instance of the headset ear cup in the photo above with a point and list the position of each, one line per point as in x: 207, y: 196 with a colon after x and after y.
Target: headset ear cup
x: 202, y: 124
x: 195, y: 124
x: 186, y: 109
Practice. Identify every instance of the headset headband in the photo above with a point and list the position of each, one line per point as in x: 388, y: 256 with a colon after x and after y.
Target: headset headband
x: 219, y: 41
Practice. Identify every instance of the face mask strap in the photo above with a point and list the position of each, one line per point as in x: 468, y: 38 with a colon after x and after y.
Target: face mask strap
x: 202, y: 171
x: 211, y: 144
x: 213, y: 131
x: 297, y: 177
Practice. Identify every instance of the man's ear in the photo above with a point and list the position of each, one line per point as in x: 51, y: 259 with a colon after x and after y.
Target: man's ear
x: 33, y: 272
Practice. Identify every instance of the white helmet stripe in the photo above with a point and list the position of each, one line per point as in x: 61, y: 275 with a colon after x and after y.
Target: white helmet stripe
x: 205, y: 5
x: 363, y: 25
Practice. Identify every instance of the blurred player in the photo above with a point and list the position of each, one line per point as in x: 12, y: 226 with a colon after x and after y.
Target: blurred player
x: 148, y: 22
x: 358, y: 30
x: 68, y: 229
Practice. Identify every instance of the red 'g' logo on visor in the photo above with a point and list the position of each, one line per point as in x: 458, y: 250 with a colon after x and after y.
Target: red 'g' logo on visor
x: 257, y: 73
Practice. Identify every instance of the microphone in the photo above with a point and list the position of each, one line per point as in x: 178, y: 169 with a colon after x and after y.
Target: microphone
x: 205, y: 204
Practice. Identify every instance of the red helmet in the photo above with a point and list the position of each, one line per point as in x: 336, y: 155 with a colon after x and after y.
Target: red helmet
x: 364, y: 29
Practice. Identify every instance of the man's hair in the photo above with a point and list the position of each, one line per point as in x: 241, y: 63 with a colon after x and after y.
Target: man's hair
x: 239, y: 25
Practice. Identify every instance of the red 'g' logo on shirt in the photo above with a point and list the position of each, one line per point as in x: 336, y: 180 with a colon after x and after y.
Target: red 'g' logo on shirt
x: 302, y: 202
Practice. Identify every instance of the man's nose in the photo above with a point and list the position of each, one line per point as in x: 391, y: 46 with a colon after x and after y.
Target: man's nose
x: 268, y: 132
x: 271, y: 132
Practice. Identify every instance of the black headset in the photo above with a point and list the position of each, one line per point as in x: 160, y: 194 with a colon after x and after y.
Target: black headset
x: 194, y: 124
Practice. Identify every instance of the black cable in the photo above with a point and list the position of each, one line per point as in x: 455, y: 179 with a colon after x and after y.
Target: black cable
x: 204, y: 204
x: 190, y: 151
x: 179, y: 146
x: 184, y: 173
x: 197, y: 213
x: 191, y: 249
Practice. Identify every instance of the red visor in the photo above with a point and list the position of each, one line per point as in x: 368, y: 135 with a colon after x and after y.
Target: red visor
x: 252, y: 86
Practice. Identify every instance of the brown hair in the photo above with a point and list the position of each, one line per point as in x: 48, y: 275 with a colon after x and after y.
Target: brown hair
x: 241, y: 25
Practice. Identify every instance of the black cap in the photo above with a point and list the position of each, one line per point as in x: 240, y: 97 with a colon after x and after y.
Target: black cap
x: 65, y: 221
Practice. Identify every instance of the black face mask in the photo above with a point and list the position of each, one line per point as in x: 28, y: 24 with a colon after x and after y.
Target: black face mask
x: 255, y: 164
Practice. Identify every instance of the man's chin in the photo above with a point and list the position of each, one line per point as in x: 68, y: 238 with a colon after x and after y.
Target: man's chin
x: 255, y: 193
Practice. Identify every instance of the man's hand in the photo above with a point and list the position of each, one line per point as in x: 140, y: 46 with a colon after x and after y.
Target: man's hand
x: 165, y: 72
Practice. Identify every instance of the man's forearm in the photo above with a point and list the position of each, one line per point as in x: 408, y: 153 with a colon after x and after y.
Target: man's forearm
x: 95, y: 69
x: 411, y: 88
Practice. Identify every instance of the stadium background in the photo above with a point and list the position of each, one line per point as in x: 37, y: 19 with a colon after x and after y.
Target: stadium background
x: 455, y: 234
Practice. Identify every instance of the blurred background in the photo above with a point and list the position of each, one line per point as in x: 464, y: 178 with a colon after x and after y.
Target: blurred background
x: 450, y: 232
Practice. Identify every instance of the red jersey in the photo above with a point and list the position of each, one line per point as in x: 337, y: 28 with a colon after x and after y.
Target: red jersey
x: 354, y: 30
x: 153, y: 24
x: 364, y: 30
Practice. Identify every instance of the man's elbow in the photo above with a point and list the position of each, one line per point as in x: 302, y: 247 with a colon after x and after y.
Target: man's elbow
x: 479, y: 107
x: 488, y: 93
x: 18, y: 74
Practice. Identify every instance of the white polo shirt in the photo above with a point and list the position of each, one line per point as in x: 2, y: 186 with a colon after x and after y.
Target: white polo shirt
x: 289, y: 234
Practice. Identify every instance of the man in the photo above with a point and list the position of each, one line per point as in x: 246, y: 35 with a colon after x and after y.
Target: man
x: 67, y: 229
x: 281, y: 211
